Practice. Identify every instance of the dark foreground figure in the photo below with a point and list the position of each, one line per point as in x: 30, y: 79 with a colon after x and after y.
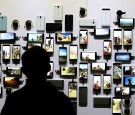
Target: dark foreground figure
x: 37, y: 97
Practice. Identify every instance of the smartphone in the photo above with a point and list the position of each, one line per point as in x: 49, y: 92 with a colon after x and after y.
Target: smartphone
x: 62, y: 54
x: 30, y: 45
x: 128, y: 37
x: 117, y: 37
x: 117, y: 71
x: 107, y: 48
x: 50, y: 73
x: 117, y: 106
x: 88, y: 56
x: 6, y: 52
x: 73, y: 52
x: 49, y: 44
x: 83, y: 37
x: 96, y: 82
x: 107, y: 82
x: 83, y: 96
x: 129, y: 70
x: 72, y: 90
x: 16, y: 51
x: 83, y: 71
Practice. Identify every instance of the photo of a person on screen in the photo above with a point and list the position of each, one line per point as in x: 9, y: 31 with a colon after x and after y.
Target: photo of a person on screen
x: 38, y: 96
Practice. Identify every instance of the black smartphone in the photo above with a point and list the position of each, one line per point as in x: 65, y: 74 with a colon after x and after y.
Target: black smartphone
x: 97, y: 82
x: 83, y: 71
x: 117, y: 71
x: 107, y: 48
x: 73, y: 52
x: 107, y: 82
x: 117, y: 37
x: 50, y: 73
x: 83, y: 37
x: 16, y: 52
x: 117, y: 106
x: 123, y: 92
x: 83, y: 96
x: 72, y: 90
x: 6, y: 52
x: 129, y: 70
x: 62, y: 54
x: 49, y: 44
x: 128, y: 37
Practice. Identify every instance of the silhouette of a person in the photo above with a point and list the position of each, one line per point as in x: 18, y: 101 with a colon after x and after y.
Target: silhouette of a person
x: 38, y: 96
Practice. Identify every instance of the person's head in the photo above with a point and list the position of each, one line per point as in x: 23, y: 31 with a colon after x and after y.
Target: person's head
x: 35, y: 62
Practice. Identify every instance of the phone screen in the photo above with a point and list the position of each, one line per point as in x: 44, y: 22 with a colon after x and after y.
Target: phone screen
x: 107, y: 47
x: 97, y: 82
x: 117, y: 71
x: 107, y: 81
x: 6, y: 52
x: 83, y: 71
x: 72, y: 89
x: 73, y: 52
x: 49, y: 44
x: 117, y: 37
x: 83, y: 37
x: 62, y: 54
x: 128, y: 37
x: 50, y: 73
x: 16, y: 52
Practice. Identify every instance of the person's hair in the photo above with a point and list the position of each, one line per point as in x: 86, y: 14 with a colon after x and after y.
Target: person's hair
x: 35, y: 62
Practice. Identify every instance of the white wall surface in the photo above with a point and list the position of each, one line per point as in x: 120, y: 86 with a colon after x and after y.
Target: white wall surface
x: 23, y: 10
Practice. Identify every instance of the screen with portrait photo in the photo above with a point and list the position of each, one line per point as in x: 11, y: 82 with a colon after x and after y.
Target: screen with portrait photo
x: 50, y: 73
x: 83, y: 71
x: 129, y: 81
x: 16, y: 50
x: 129, y: 70
x: 63, y: 37
x: 107, y: 47
x: 98, y: 67
x: 128, y: 37
x: 72, y: 90
x: 117, y: 37
x: 73, y: 52
x: 83, y: 37
x: 123, y: 56
x: 7, y: 36
x: 49, y: 44
x: 107, y: 81
x: 117, y: 71
x: 96, y: 82
x: 102, y: 32
x: 6, y: 52
x: 35, y: 37
x: 88, y: 56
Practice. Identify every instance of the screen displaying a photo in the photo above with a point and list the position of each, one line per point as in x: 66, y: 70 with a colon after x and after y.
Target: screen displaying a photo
x: 129, y: 70
x: 83, y: 36
x: 123, y: 56
x: 63, y: 37
x: 49, y: 44
x: 62, y: 54
x: 68, y: 71
x: 122, y: 91
x: 87, y: 56
x: 30, y: 45
x: 128, y: 37
x: 83, y: 71
x: 117, y: 37
x: 126, y: 22
x: 107, y: 47
x: 50, y: 73
x: 107, y: 81
x: 7, y: 36
x: 72, y: 89
x: 16, y: 52
x: 35, y: 37
x: 98, y: 67
x: 102, y: 32
x: 117, y: 71
x: 11, y: 82
x: 129, y: 81
x: 117, y: 106
x: 73, y: 52
x: 6, y: 52
x: 14, y: 71
x: 97, y: 82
